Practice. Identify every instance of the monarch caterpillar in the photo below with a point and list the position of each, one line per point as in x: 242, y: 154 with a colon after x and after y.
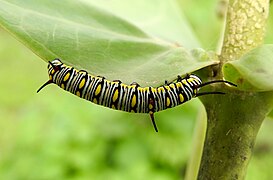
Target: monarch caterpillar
x: 130, y: 98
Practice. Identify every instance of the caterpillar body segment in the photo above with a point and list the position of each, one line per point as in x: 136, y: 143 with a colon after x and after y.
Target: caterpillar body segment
x: 131, y: 98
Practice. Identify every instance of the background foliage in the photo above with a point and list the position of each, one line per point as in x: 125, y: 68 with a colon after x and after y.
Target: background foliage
x: 56, y: 135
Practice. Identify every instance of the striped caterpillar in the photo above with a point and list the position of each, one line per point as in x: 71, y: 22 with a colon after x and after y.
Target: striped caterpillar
x: 130, y: 98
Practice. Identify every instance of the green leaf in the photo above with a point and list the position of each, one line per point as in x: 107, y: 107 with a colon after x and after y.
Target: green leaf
x: 163, y: 19
x: 254, y: 71
x: 92, y: 39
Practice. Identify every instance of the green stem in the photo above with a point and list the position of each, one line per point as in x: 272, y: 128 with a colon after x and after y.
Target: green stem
x: 245, y: 27
x: 233, y: 124
x: 234, y: 119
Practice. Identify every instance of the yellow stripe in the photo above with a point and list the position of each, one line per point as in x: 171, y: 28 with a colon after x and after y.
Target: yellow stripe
x: 78, y: 93
x: 161, y: 89
x: 146, y: 89
x: 98, y: 90
x: 133, y: 103
x: 168, y: 102
x: 181, y: 97
x: 66, y: 76
x: 168, y: 88
x: 172, y: 86
x: 190, y: 80
x: 123, y: 85
x: 115, y: 97
x: 151, y: 106
x: 82, y: 83
x: 178, y: 84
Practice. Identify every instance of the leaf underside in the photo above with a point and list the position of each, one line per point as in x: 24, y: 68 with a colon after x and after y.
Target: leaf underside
x: 89, y: 38
x: 162, y: 19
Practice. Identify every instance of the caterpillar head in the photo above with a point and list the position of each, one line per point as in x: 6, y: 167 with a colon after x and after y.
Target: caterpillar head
x: 193, y: 82
x: 53, y: 67
x: 196, y: 83
x: 55, y: 64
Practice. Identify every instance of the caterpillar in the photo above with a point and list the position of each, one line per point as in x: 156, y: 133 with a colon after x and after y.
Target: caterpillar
x: 130, y: 98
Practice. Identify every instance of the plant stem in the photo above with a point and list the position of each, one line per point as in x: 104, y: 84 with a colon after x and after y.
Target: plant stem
x: 245, y: 27
x: 234, y: 119
x: 233, y: 124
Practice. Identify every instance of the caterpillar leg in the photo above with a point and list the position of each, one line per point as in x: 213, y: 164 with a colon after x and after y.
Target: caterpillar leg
x: 118, y: 81
x: 135, y: 84
x: 101, y: 77
x: 83, y: 71
x: 153, y: 121
x: 179, y: 78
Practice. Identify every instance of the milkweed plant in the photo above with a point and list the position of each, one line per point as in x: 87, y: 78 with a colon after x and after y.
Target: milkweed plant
x: 120, y: 45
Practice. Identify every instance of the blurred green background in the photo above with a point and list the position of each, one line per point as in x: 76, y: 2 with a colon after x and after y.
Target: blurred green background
x: 55, y: 135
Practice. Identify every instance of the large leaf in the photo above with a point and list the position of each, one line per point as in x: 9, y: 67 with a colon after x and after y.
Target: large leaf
x: 95, y: 40
x: 254, y: 71
x: 159, y: 18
